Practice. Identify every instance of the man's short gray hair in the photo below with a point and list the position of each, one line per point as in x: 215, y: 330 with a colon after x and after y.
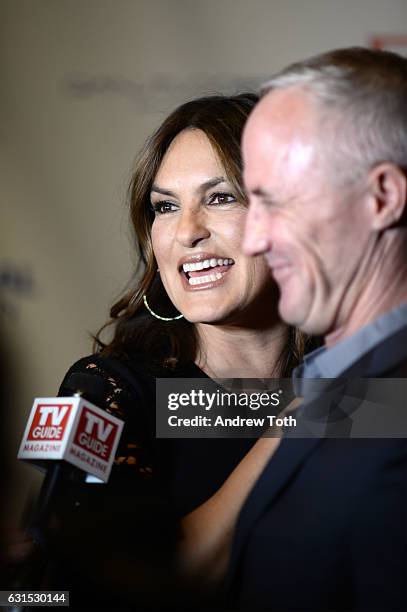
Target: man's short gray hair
x: 362, y: 96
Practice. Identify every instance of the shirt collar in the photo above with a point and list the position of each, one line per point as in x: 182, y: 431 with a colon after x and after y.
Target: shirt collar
x: 335, y: 361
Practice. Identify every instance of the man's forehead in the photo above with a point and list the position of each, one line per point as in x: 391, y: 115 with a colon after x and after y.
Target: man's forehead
x: 281, y: 131
x: 284, y: 111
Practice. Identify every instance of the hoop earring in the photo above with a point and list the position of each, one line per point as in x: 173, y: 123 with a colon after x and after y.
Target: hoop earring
x: 158, y: 316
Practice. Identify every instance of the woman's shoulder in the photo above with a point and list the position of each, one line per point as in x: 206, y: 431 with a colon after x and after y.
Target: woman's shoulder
x: 104, y: 364
x: 122, y: 387
x: 99, y: 376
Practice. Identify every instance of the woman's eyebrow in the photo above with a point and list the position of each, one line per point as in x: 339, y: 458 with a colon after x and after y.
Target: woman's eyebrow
x: 158, y: 189
x: 201, y: 189
x: 212, y: 183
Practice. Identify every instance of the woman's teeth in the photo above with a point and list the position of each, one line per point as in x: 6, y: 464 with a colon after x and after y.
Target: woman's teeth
x: 207, y: 263
x: 207, y: 278
x: 212, y: 276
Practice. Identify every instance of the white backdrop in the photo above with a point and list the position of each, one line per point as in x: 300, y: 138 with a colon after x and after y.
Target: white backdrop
x: 82, y: 84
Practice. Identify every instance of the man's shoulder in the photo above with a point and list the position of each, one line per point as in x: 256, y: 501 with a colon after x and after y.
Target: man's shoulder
x: 360, y: 466
x: 397, y: 371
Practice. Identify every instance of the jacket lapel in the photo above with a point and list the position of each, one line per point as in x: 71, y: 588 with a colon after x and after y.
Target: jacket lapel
x: 281, y: 467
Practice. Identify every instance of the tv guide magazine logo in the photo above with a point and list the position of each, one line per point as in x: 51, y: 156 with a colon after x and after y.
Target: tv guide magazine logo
x: 74, y: 430
x: 49, y: 422
x: 95, y: 433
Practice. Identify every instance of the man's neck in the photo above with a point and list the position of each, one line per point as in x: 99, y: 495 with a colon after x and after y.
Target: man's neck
x: 380, y: 287
x: 370, y: 308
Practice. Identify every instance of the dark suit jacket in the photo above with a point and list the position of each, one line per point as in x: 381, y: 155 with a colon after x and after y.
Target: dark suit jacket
x: 325, y: 527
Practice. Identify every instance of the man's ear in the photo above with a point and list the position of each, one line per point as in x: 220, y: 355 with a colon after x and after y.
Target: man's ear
x: 388, y: 189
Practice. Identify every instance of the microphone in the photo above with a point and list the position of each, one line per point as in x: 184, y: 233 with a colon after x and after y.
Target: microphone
x: 75, y: 442
x: 110, y: 542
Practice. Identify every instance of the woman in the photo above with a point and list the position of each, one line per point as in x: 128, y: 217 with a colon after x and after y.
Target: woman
x: 199, y: 308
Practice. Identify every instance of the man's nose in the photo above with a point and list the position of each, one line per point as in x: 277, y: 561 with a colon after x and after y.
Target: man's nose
x: 255, y: 237
x: 192, y: 228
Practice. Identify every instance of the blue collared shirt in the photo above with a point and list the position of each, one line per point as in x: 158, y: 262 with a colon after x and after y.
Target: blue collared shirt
x: 365, y: 353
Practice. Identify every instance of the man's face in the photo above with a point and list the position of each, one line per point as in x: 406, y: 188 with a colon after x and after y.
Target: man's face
x: 314, y: 235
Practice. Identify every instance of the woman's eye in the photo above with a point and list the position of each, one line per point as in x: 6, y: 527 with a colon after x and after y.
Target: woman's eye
x: 161, y: 208
x: 222, y: 198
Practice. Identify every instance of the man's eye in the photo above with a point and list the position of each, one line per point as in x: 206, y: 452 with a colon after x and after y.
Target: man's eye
x: 161, y: 208
x: 222, y: 198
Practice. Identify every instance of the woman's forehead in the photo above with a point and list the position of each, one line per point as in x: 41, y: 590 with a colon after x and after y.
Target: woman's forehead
x: 189, y: 158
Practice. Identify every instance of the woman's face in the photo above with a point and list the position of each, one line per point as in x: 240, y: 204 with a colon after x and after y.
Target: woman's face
x: 197, y: 233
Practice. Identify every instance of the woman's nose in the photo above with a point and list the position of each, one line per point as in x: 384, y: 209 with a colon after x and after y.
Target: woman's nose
x: 192, y: 228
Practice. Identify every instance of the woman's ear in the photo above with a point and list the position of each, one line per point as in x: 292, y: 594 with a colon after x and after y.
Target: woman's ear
x: 388, y: 189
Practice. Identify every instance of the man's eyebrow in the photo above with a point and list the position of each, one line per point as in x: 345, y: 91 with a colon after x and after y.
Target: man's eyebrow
x: 202, y: 188
x: 259, y: 192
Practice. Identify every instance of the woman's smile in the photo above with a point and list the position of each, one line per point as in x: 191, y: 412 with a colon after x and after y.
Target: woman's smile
x: 204, y: 271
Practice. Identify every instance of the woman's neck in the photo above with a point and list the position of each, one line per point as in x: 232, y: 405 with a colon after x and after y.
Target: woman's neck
x: 238, y: 352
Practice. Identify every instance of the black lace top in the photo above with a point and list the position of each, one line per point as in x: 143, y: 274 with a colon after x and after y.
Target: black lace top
x: 191, y: 470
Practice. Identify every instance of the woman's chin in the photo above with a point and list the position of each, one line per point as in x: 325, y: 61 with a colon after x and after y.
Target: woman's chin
x: 205, y: 314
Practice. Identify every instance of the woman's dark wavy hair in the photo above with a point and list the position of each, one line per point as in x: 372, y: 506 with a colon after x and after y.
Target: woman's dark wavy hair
x: 175, y: 343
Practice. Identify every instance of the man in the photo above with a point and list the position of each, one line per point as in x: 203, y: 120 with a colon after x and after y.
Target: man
x: 325, y: 157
